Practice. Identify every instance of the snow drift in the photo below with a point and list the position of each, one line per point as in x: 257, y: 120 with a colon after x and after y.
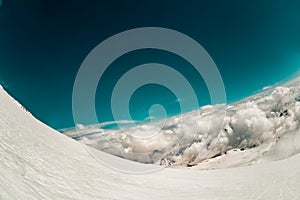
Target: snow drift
x: 37, y: 162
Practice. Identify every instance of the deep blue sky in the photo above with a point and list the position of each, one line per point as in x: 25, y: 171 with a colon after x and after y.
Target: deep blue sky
x: 43, y: 43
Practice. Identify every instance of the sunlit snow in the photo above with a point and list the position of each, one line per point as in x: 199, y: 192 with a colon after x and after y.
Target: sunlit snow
x: 37, y: 162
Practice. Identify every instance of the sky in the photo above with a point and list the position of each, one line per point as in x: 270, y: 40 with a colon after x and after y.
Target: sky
x: 43, y: 43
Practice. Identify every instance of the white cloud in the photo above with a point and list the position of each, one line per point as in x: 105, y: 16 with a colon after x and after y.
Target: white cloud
x: 191, y: 138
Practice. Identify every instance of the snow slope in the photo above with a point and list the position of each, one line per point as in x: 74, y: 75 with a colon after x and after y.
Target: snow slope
x: 37, y: 162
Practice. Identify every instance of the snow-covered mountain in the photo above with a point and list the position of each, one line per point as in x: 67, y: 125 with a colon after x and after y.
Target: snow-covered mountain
x: 37, y: 162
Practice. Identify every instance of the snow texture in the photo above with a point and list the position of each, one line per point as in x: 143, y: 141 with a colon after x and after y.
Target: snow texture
x: 37, y: 162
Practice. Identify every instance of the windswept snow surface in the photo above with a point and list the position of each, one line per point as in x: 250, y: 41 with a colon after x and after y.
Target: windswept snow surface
x: 37, y: 162
x: 250, y: 132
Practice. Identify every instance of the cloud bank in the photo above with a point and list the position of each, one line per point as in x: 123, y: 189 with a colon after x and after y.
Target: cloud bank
x: 266, y: 121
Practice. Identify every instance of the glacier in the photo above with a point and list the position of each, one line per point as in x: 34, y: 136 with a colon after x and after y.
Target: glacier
x: 38, y: 162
